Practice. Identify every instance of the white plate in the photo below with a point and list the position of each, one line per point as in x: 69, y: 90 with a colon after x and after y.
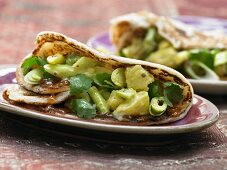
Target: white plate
x: 202, y: 114
x: 209, y: 86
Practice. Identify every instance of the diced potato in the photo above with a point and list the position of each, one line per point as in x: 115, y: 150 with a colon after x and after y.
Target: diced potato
x: 138, y: 78
x: 126, y: 93
x: 118, y: 97
x: 138, y: 105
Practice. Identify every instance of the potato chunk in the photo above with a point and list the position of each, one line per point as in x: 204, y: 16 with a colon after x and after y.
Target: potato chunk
x: 138, y: 105
x: 114, y: 100
x: 138, y: 78
x: 117, y: 97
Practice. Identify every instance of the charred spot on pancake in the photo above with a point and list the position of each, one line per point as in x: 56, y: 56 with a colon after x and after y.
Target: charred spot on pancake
x: 177, y: 80
x: 49, y: 37
x: 181, y: 32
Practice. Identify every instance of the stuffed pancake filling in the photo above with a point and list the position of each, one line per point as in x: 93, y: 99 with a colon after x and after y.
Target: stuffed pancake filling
x: 100, y: 86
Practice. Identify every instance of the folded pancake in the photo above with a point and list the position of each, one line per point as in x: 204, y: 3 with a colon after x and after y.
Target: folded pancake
x: 98, y: 86
x: 18, y: 94
x: 162, y: 40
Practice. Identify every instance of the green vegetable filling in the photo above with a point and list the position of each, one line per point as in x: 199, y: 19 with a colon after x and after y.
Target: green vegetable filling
x: 194, y: 63
x: 79, y: 83
x: 158, y: 106
x: 32, y: 62
x: 171, y: 92
x: 83, y: 108
x: 97, y: 89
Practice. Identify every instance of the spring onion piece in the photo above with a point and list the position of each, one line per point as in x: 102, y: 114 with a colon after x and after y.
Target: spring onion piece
x: 56, y: 59
x: 98, y: 99
x: 118, y: 77
x: 85, y: 63
x: 198, y: 70
x: 34, y: 76
x: 60, y: 70
x: 157, y: 106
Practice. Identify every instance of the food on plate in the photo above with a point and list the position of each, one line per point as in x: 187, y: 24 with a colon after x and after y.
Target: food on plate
x: 64, y: 74
x: 158, y: 39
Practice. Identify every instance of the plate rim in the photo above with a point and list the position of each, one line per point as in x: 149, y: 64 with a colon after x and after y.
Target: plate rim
x: 206, y: 82
x: 152, y: 130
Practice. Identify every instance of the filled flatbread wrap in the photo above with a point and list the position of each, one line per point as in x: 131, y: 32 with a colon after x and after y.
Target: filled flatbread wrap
x: 63, y: 72
x: 195, y: 53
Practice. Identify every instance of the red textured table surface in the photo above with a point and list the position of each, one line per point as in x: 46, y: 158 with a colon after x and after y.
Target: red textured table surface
x: 21, y: 20
x: 26, y: 145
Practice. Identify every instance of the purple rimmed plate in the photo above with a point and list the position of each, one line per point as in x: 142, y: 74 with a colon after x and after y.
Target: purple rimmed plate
x: 202, y: 114
x: 203, y: 23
